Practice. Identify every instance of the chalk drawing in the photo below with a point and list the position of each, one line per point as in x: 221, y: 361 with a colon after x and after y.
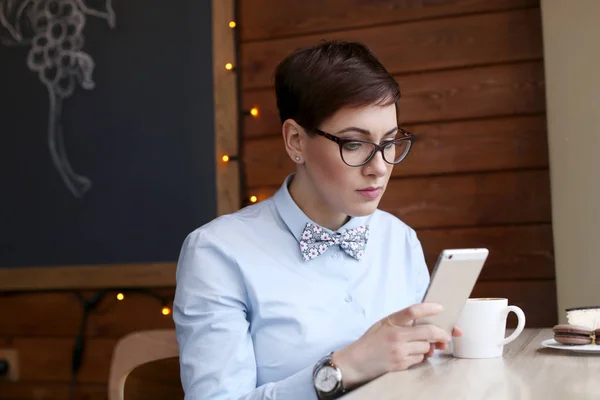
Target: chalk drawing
x: 53, y: 30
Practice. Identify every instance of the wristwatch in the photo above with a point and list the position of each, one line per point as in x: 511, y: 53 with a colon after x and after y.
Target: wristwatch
x: 327, y: 379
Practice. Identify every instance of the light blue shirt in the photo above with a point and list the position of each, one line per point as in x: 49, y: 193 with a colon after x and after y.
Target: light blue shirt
x: 253, y: 317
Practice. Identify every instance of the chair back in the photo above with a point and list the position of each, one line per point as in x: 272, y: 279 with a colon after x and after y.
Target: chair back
x: 144, y: 364
x: 157, y: 379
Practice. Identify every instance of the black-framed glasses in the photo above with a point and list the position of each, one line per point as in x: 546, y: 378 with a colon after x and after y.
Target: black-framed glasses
x: 356, y: 152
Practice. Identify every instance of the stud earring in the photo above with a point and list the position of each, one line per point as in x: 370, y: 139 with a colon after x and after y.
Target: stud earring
x: 297, y: 158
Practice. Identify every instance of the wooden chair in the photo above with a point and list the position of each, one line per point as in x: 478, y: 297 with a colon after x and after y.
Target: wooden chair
x: 145, y: 365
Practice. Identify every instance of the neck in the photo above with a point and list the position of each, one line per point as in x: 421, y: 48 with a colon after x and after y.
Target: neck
x: 310, y: 202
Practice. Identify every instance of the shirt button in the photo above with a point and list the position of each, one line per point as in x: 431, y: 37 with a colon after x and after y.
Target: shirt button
x: 348, y: 299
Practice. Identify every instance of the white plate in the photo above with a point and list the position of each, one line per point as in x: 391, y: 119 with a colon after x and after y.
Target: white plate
x: 584, y: 348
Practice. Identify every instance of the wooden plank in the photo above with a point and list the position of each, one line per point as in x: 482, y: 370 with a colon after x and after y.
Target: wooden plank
x: 481, y: 145
x: 425, y: 45
x: 286, y: 18
x: 226, y: 107
x: 88, y: 276
x: 49, y: 359
x: 470, y: 200
x: 537, y: 299
x: 437, y: 96
x: 473, y: 93
x: 30, y: 313
x: 59, y: 314
x: 516, y: 252
x: 50, y: 391
x: 497, y: 198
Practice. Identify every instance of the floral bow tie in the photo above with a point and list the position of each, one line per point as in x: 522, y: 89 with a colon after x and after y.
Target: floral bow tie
x: 315, y: 241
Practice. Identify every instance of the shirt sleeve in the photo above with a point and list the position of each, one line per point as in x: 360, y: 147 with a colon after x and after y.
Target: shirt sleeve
x: 421, y: 272
x: 211, y: 316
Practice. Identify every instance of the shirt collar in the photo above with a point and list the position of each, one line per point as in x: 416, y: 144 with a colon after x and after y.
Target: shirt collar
x: 294, y: 217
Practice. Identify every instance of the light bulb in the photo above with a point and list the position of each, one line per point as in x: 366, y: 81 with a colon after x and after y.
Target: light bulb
x: 166, y: 310
x: 229, y: 66
x: 253, y: 199
x: 120, y: 296
x: 232, y: 24
x: 254, y: 111
x: 225, y: 158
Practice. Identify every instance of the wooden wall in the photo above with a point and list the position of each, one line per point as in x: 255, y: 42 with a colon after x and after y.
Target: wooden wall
x: 42, y: 328
x: 472, y: 80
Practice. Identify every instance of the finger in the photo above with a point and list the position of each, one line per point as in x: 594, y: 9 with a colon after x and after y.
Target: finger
x: 441, y: 346
x: 431, y: 350
x: 428, y: 332
x: 416, y: 348
x: 406, y: 316
x: 457, y: 332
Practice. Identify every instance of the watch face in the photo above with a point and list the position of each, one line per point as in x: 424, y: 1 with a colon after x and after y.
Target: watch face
x: 326, y: 379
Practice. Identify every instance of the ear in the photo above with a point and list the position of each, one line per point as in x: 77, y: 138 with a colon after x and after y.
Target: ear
x: 294, y: 139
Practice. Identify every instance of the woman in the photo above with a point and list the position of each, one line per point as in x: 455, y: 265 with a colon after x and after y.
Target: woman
x: 297, y: 297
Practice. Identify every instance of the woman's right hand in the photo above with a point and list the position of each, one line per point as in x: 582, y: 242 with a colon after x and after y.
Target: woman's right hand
x: 391, y: 344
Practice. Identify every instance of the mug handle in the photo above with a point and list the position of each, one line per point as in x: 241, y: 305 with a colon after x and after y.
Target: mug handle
x: 520, y: 324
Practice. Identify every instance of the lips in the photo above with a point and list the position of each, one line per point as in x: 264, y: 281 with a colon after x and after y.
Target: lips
x: 370, y: 192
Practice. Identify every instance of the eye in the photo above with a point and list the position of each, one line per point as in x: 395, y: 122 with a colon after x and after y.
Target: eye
x: 352, y: 146
x: 387, y: 144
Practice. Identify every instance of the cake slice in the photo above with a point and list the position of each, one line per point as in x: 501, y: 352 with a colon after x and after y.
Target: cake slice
x: 588, y: 317
x: 583, y: 327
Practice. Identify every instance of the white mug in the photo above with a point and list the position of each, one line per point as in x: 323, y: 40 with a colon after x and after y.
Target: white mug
x: 483, y: 322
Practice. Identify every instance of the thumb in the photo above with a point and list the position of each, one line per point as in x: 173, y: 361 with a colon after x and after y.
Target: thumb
x: 407, y: 316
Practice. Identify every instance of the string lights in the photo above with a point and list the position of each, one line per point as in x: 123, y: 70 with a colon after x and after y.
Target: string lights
x: 253, y: 112
x: 227, y: 158
x: 165, y: 310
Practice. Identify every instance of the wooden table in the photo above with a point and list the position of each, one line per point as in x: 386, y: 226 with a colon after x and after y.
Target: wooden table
x: 527, y: 371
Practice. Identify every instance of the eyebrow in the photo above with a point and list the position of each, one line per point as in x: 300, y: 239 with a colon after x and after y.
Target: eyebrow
x: 364, y: 131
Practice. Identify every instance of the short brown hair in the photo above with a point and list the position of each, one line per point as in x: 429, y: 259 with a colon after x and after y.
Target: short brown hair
x: 315, y: 82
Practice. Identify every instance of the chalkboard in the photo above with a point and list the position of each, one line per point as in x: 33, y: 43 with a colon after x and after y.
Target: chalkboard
x: 143, y: 136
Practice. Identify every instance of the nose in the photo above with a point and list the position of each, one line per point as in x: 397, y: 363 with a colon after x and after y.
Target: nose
x: 376, y: 166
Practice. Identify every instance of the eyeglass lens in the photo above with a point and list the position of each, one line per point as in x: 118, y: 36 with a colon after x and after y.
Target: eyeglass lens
x: 357, y: 153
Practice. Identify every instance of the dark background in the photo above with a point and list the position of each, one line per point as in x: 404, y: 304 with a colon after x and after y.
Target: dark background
x: 144, y: 136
